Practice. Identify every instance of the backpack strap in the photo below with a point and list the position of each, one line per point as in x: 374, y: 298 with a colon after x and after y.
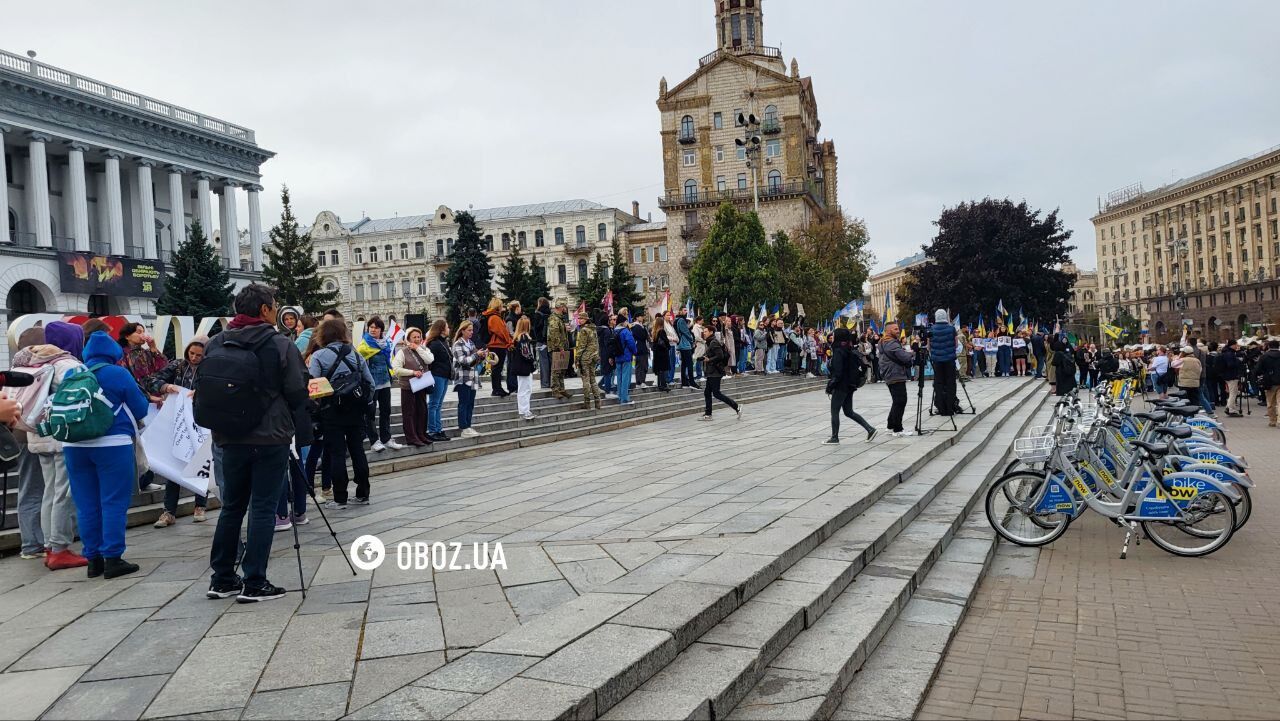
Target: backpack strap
x: 340, y: 360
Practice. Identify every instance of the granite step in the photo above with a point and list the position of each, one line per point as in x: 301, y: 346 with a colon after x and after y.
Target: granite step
x: 741, y: 649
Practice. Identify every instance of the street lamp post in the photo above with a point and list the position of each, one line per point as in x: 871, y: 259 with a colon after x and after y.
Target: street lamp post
x: 750, y: 141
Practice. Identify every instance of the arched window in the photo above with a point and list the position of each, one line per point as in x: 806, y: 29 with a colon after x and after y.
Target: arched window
x: 448, y: 246
x: 771, y: 114
x: 538, y: 239
x: 691, y: 191
x: 602, y: 232
x: 419, y: 249
x: 522, y: 240
x: 404, y: 251
x: 333, y: 257
x: 775, y: 181
x: 582, y: 271
x: 359, y: 255
x: 329, y: 286
x: 686, y: 127
x: 388, y: 254
x: 373, y: 254
x: 506, y: 241
x: 580, y: 235
x: 559, y: 236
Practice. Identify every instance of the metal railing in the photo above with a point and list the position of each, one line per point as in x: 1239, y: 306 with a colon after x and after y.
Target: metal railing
x: 99, y: 247
x: 133, y: 251
x: 688, y: 138
x: 17, y: 64
x: 771, y: 126
x: 763, y: 50
x: 64, y: 243
x: 706, y: 195
x: 22, y: 240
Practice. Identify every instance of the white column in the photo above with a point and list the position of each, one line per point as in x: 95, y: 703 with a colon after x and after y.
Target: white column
x: 115, y: 211
x: 230, y: 234
x: 38, y: 190
x: 103, y: 218
x: 255, y: 226
x: 177, y: 208
x: 78, y: 196
x: 4, y: 191
x: 204, y: 205
x: 147, y: 208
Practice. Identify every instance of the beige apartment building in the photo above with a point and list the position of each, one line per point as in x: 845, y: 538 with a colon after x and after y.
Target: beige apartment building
x: 790, y: 174
x: 1084, y: 291
x: 888, y: 282
x: 1205, y: 249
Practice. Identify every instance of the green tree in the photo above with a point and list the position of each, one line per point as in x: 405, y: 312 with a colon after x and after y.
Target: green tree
x: 802, y: 279
x: 734, y: 264
x: 291, y: 264
x: 513, y: 277
x: 988, y: 251
x: 622, y: 282
x: 198, y: 284
x: 468, y: 281
x: 840, y: 245
x: 536, y: 286
x: 593, y: 289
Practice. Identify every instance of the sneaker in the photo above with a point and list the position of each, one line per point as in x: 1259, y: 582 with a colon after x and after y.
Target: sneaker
x: 705, y: 418
x: 832, y: 441
x: 34, y: 555
x: 377, y: 447
x: 393, y: 445
x: 225, y: 590
x: 470, y: 433
x: 198, y: 515
x: 896, y: 434
x: 611, y: 396
x: 152, y: 488
x: 335, y: 506
x: 528, y: 416
x: 66, y: 558
x: 907, y: 434
x: 327, y: 493
x: 871, y: 434
x: 283, y: 523
x: 437, y: 437
x: 94, y: 568
x: 358, y: 501
x: 116, y: 567
x: 739, y: 412
x: 165, y: 520
x: 301, y: 520
x: 265, y: 592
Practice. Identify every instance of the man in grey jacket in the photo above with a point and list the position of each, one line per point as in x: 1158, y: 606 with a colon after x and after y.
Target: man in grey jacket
x: 895, y: 370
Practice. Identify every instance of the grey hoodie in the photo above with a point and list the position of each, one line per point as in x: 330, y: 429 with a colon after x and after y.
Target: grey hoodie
x: 895, y: 361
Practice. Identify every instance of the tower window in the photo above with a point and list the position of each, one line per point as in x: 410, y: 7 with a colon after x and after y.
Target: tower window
x: 691, y: 191
x: 775, y: 181
x: 602, y: 232
x: 686, y: 127
x: 735, y: 25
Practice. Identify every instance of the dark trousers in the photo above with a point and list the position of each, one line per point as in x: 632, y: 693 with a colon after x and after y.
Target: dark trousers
x: 897, y: 391
x: 466, y: 406
x: 1039, y: 366
x: 296, y: 485
x: 712, y: 390
x: 544, y: 366
x: 842, y: 401
x: 686, y: 367
x: 413, y: 415
x: 642, y: 367
x: 497, y: 374
x: 341, y: 440
x: 251, y: 477
x: 944, y: 388
x: 381, y: 406
x: 171, y: 491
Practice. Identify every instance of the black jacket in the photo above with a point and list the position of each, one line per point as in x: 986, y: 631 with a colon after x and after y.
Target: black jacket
x: 1269, y: 369
x: 284, y: 381
x: 661, y: 350
x: 520, y: 365
x: 1230, y: 365
x: 845, y: 362
x: 441, y: 358
x: 716, y: 359
x: 641, y: 335
x: 539, y: 320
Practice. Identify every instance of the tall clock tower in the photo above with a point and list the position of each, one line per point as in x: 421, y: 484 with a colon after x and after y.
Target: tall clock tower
x: 739, y: 23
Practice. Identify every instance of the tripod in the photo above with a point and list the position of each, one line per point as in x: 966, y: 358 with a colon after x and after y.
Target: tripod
x: 964, y: 386
x: 298, y: 475
x: 922, y: 360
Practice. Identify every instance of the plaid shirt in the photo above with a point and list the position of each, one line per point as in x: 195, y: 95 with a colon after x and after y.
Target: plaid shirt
x: 464, y: 363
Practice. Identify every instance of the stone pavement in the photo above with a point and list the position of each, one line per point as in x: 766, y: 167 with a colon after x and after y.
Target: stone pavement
x: 590, y: 527
x: 1072, y: 631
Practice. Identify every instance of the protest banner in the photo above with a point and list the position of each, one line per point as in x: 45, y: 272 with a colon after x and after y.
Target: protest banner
x: 178, y: 449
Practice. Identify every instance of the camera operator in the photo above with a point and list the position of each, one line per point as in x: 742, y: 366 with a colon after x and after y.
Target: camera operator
x: 942, y: 353
x: 895, y: 370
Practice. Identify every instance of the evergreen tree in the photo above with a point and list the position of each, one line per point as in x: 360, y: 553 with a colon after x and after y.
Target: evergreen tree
x: 803, y: 280
x: 592, y: 290
x: 468, y: 282
x: 291, y: 264
x: 735, y: 264
x: 622, y: 282
x: 198, y: 284
x: 513, y: 277
x: 536, y: 287
x: 840, y: 245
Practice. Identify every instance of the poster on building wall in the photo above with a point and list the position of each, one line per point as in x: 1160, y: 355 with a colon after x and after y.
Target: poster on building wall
x: 92, y: 274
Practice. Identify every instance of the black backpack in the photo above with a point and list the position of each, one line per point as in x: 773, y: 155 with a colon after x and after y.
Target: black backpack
x: 351, y: 392
x: 231, y: 396
x: 859, y: 369
x: 615, y: 344
x: 481, y: 336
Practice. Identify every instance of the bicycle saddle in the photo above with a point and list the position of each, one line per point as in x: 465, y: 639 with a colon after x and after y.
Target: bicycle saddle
x: 1184, y: 411
x: 1154, y: 449
x: 1180, y: 433
x: 1153, y: 417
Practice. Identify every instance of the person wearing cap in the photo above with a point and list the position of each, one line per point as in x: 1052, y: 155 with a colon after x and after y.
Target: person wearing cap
x: 942, y: 354
x: 1189, y: 372
x: 587, y: 356
x: 557, y: 335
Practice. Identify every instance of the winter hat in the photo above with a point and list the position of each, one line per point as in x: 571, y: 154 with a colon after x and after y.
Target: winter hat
x: 67, y: 336
x: 940, y: 316
x: 30, y: 337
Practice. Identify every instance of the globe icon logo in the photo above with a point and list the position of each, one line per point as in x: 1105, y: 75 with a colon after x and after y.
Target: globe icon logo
x: 367, y: 552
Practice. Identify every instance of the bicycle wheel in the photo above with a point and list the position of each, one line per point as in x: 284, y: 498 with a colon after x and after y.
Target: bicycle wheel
x: 1209, y: 523
x: 1244, y: 509
x: 1009, y: 511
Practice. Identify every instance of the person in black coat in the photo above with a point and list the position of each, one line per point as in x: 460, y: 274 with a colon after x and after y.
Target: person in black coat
x: 1064, y: 367
x: 641, y: 335
x: 661, y: 351
x: 846, y: 364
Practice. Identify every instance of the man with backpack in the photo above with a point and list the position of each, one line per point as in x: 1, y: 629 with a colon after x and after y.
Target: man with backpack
x: 248, y: 388
x: 848, y: 374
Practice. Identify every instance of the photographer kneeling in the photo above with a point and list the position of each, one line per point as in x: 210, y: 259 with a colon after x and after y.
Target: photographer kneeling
x: 942, y: 354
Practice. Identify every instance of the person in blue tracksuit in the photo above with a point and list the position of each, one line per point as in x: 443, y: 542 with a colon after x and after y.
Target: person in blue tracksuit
x: 101, y: 470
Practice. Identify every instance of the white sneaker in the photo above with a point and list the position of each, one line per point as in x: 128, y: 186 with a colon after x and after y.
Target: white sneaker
x: 469, y: 433
x: 611, y: 396
x: 394, y: 446
x: 377, y: 447
x: 152, y: 488
x: 528, y: 416
x: 908, y: 433
x: 705, y: 418
x: 739, y: 412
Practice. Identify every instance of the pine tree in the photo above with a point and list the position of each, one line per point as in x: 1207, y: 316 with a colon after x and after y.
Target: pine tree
x: 592, y: 290
x: 198, y: 284
x: 622, y: 282
x: 291, y: 264
x: 536, y: 286
x: 513, y: 277
x: 735, y: 264
x: 468, y: 282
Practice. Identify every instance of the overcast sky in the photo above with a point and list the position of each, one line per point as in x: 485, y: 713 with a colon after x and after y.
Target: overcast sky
x: 396, y: 107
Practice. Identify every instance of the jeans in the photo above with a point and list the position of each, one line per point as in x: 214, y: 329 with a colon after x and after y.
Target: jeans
x: 30, y: 498
x: 742, y: 360
x: 608, y: 377
x: 671, y: 365
x: 218, y: 474
x: 1039, y: 366
x: 697, y: 370
x: 686, y: 368
x: 297, y: 483
x: 496, y: 375
x: 436, y: 404
x: 842, y: 401
x: 342, y: 440
x: 524, y: 393
x: 712, y: 390
x: 171, y: 493
x: 57, y: 510
x: 544, y: 366
x: 252, y: 486
x: 466, y: 406
x: 102, y: 481
x: 624, y: 381
x: 1203, y: 399
x: 382, y: 400
x: 898, y: 391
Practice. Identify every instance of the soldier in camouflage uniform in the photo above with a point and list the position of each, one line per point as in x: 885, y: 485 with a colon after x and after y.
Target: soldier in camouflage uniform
x: 587, y: 356
x: 557, y: 341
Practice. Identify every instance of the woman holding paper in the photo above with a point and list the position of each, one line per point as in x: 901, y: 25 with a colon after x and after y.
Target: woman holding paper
x: 177, y: 377
x: 411, y: 366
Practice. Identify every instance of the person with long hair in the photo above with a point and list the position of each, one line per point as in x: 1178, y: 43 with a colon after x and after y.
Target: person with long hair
x: 499, y: 345
x: 661, y: 352
x: 715, y: 361
x: 376, y: 350
x: 441, y: 367
x: 465, y: 359
x: 343, y: 429
x: 178, y: 377
x: 524, y: 356
x: 846, y: 363
x: 412, y: 360
x: 142, y: 359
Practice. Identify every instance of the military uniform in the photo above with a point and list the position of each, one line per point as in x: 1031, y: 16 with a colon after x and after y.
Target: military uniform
x: 557, y: 341
x: 586, y: 357
x: 965, y: 351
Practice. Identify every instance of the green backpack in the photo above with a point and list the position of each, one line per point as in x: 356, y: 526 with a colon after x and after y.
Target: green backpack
x: 78, y: 410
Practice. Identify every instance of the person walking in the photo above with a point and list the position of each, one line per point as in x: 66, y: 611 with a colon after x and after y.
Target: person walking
x: 342, y: 415
x: 661, y: 345
x: 558, y: 342
x: 848, y: 371
x: 411, y: 361
x: 499, y: 345
x: 684, y: 346
x: 376, y: 351
x: 178, y: 377
x: 524, y: 357
x: 624, y: 360
x: 254, y: 434
x: 640, y: 332
x: 541, y: 319
x: 466, y: 381
x: 587, y: 356
x: 441, y: 368
x: 714, y: 362
x: 1267, y: 373
x: 895, y: 371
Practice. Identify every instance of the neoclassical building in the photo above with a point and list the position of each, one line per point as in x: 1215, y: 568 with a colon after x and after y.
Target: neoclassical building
x: 888, y: 282
x: 791, y: 174
x: 394, y: 266
x: 104, y: 178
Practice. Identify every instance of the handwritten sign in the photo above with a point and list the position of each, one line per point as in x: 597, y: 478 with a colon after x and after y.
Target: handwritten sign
x: 177, y: 448
x: 1019, y: 343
